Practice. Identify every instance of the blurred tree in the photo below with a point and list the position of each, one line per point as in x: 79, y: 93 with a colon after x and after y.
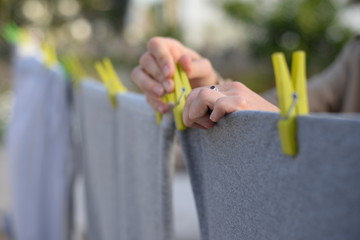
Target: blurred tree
x: 4, y: 12
x: 113, y: 11
x: 164, y: 17
x: 310, y: 25
x: 4, y: 18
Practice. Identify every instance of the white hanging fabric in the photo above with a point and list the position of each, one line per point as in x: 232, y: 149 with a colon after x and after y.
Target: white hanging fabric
x: 39, y: 149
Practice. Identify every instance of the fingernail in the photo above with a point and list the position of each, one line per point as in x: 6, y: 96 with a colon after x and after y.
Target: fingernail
x: 158, y: 90
x: 166, y: 70
x: 212, y: 117
x: 167, y: 86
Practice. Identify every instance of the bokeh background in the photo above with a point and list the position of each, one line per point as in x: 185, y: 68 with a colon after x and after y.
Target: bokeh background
x: 238, y: 36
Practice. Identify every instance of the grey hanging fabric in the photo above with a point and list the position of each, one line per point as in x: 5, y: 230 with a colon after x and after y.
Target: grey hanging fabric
x: 245, y: 188
x: 127, y: 167
x: 39, y: 150
x: 100, y: 169
x: 76, y: 111
x: 145, y: 156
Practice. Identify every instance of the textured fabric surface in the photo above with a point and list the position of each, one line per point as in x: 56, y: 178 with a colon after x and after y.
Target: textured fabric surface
x: 127, y: 167
x: 245, y: 188
x: 79, y: 203
x: 100, y: 170
x: 39, y: 149
x: 145, y: 162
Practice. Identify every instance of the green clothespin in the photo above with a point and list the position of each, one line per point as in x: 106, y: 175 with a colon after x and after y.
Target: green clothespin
x: 11, y: 33
x: 178, y: 97
x: 292, y: 97
x: 110, y: 79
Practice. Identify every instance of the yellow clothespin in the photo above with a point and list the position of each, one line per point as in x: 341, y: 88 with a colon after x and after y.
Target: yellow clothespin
x: 24, y: 36
x: 74, y: 68
x: 110, y: 79
x: 178, y: 97
x: 292, y: 97
x: 50, y: 56
x: 168, y: 98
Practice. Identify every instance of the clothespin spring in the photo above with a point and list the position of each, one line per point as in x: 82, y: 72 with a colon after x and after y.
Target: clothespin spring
x: 183, y: 91
x: 292, y: 97
x: 295, y: 98
x: 177, y: 98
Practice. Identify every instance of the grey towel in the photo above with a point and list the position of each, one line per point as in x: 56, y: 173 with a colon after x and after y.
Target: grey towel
x: 245, y: 188
x: 100, y: 170
x: 39, y: 149
x: 127, y: 167
x: 144, y: 153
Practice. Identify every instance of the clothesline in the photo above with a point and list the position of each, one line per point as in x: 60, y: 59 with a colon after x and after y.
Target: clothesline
x: 244, y: 186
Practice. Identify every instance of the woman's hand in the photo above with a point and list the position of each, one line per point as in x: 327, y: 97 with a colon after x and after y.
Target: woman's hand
x: 204, y: 106
x: 156, y: 69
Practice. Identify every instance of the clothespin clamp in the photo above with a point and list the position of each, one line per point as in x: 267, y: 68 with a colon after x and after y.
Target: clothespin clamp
x: 110, y: 79
x: 11, y: 33
x: 25, y: 37
x: 15, y: 35
x: 177, y: 98
x: 74, y: 68
x: 50, y: 55
x: 292, y: 97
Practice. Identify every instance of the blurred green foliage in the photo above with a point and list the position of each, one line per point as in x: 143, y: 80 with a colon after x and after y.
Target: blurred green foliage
x: 310, y: 25
x: 161, y: 27
x: 113, y: 11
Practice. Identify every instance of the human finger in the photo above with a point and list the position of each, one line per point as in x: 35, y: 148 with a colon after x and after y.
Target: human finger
x: 167, y: 52
x: 199, y: 71
x: 185, y: 62
x: 195, y: 125
x: 146, y: 83
x: 201, y: 106
x: 161, y: 53
x: 192, y: 95
x: 227, y: 104
x: 148, y: 63
x: 202, y: 73
x: 158, y: 105
x: 247, y: 99
x: 196, y: 110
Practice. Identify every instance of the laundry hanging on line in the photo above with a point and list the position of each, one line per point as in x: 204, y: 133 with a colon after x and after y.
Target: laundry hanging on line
x: 127, y: 166
x: 246, y: 188
x: 39, y: 149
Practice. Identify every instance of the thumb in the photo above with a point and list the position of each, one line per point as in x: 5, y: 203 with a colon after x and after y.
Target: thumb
x: 203, y: 73
x: 186, y: 62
